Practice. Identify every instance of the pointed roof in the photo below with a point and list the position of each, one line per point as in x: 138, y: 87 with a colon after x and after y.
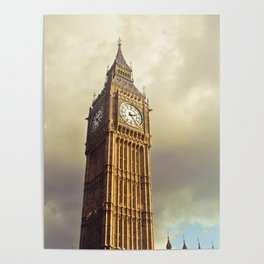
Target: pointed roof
x: 199, y: 245
x: 120, y: 60
x: 168, y: 246
x: 121, y: 74
x: 184, y: 245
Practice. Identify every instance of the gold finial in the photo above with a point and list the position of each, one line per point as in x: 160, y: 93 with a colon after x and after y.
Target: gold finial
x: 119, y: 42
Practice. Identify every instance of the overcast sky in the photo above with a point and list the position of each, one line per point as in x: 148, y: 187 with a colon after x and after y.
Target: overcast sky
x: 177, y: 59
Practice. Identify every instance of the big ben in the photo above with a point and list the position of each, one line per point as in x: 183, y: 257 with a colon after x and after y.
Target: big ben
x: 117, y: 199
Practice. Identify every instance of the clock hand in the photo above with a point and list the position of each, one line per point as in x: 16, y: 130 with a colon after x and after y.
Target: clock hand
x: 133, y: 119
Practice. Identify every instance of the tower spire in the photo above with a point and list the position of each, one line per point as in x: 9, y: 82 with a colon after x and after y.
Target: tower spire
x: 120, y: 60
x: 184, y: 244
x: 168, y: 246
x: 119, y: 42
x: 212, y: 245
x: 199, y: 245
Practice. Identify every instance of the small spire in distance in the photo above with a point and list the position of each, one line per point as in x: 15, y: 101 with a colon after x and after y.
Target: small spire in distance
x: 212, y: 245
x: 168, y: 246
x: 184, y: 245
x: 199, y: 245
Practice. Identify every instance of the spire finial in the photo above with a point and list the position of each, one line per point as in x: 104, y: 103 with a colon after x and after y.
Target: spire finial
x: 212, y: 244
x: 94, y: 95
x: 199, y: 245
x: 144, y: 90
x: 119, y: 42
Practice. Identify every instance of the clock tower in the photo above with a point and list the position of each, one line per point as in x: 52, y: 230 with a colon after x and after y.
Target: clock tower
x: 117, y: 198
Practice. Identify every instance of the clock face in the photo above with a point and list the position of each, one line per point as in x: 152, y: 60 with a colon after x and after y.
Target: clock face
x: 130, y: 114
x: 97, y: 119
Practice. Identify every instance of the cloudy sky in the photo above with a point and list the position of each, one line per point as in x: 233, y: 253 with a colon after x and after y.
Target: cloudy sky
x: 177, y: 59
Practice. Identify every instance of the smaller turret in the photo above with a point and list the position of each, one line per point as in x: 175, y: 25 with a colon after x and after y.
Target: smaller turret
x: 184, y: 244
x: 199, y: 245
x: 212, y: 245
x: 168, y: 246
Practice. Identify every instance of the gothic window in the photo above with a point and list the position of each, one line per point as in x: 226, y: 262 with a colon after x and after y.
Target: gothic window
x: 121, y: 155
x: 129, y: 158
x: 120, y: 191
x: 129, y: 194
x: 134, y: 233
x: 134, y: 191
x: 138, y: 197
x: 136, y: 160
x: 141, y: 161
x: 133, y: 159
x: 118, y: 153
x: 128, y: 232
x: 125, y: 231
x: 119, y: 232
x: 125, y: 156
x: 125, y: 193
x: 132, y: 200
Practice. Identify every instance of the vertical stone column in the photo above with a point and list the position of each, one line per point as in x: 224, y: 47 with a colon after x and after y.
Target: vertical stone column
x: 140, y: 198
x: 127, y: 193
x: 149, y: 189
x: 112, y: 172
x: 122, y: 195
x: 117, y: 191
x: 129, y: 150
x: 145, y: 214
x: 131, y: 196
x: 103, y: 148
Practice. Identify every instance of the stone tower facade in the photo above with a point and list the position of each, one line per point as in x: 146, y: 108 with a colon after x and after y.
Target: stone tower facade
x: 117, y: 199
